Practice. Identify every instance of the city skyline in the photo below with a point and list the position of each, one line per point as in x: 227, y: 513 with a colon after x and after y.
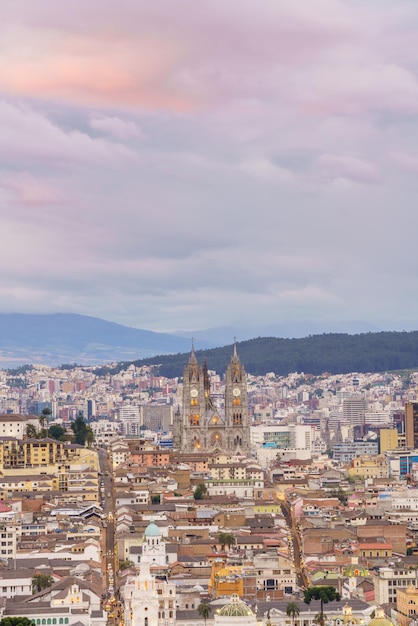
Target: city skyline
x: 182, y: 166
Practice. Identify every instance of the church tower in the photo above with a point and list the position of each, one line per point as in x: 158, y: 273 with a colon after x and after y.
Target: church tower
x: 141, y: 598
x: 236, y: 406
x: 147, y: 601
x: 203, y: 427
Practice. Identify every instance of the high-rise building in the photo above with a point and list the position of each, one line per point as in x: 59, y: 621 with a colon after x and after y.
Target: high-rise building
x: 203, y: 427
x: 388, y: 439
x: 354, y: 410
x: 411, y: 425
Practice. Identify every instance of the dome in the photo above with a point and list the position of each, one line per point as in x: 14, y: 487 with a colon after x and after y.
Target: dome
x: 152, y: 530
x: 379, y: 619
x: 235, y: 608
x: 347, y: 618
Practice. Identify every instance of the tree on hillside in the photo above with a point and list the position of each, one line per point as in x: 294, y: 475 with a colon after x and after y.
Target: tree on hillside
x: 43, y: 420
x: 226, y: 539
x: 324, y: 594
x: 56, y: 432
x: 82, y: 432
x: 200, y: 491
x: 204, y: 609
x: 31, y: 431
x: 41, y: 581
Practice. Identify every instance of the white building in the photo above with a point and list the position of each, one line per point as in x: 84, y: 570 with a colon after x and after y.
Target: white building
x: 153, y: 547
x: 148, y: 602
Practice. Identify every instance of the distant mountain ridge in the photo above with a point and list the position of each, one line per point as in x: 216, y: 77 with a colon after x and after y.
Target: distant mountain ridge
x: 57, y: 338
x: 334, y: 353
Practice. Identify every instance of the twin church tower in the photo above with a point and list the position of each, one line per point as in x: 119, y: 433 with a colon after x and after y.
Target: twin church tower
x: 204, y: 427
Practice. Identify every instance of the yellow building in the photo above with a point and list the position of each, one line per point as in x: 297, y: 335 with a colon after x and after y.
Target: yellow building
x: 10, y: 485
x: 267, y: 507
x: 48, y: 465
x: 406, y: 604
x: 389, y: 439
x: 225, y: 580
x: 30, y: 453
x: 367, y: 466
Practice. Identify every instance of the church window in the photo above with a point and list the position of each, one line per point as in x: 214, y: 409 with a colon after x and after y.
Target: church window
x: 146, y: 621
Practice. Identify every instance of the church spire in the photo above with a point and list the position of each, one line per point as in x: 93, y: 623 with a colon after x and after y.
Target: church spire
x: 192, y: 358
x: 235, y: 356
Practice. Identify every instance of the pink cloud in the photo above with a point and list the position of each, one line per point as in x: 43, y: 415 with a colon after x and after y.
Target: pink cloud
x: 27, y: 190
x: 177, y: 56
x: 405, y: 162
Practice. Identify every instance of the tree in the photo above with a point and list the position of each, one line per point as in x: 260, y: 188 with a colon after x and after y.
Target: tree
x: 324, y: 595
x: 31, y: 431
x: 200, y: 491
x: 41, y: 581
x: 126, y: 565
x: 16, y: 621
x: 43, y: 419
x: 292, y: 610
x: 82, y: 432
x: 204, y: 609
x: 56, y: 432
x: 341, y: 495
x: 226, y: 539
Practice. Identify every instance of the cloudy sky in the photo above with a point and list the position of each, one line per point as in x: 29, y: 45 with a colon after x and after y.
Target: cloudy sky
x: 184, y: 165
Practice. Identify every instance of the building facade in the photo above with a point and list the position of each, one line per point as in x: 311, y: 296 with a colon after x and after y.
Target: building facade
x: 204, y: 427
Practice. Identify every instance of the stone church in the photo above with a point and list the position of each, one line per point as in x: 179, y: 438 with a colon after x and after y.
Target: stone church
x: 201, y: 426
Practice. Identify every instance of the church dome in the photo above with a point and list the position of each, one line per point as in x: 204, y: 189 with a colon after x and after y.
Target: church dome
x: 353, y: 570
x: 379, y: 619
x: 346, y: 618
x: 152, y: 530
x: 235, y: 608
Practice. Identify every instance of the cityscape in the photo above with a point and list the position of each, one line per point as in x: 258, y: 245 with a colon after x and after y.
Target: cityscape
x: 208, y: 329
x: 133, y: 499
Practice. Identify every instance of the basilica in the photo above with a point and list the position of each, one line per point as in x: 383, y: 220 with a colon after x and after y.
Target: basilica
x: 202, y: 425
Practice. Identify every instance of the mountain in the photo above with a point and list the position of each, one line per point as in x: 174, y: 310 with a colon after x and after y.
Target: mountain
x: 222, y: 335
x: 70, y: 338
x: 335, y: 353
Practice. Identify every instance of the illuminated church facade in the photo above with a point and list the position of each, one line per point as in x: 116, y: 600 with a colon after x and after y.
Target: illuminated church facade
x: 201, y: 426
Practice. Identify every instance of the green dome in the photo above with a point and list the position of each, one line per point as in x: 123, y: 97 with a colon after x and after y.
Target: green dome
x: 354, y: 569
x: 379, y: 619
x: 235, y: 608
x: 152, y: 530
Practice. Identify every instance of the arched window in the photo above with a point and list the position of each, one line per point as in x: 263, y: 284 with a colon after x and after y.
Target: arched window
x: 146, y: 621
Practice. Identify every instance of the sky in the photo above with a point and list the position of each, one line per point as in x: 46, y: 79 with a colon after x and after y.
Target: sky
x: 187, y: 165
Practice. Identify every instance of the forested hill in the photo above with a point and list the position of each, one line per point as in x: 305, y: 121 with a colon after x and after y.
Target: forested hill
x: 333, y: 353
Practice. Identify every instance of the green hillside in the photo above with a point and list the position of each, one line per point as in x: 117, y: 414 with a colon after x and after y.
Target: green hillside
x: 333, y: 353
